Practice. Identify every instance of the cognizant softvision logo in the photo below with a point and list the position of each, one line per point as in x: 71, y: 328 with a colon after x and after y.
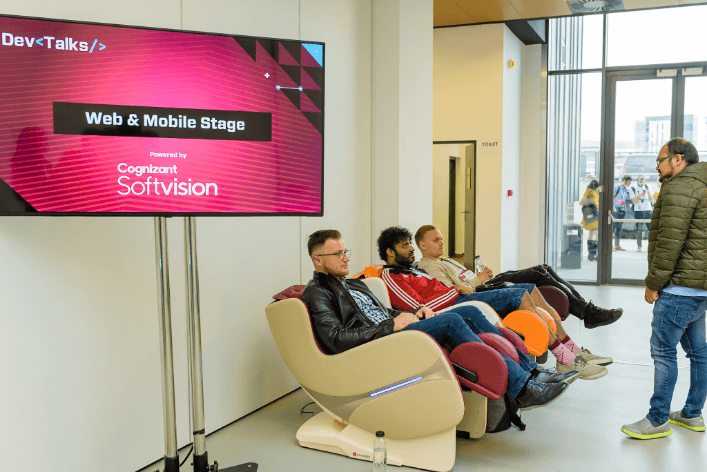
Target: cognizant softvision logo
x: 50, y: 42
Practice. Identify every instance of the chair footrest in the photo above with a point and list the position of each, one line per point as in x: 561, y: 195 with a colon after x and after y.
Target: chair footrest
x: 466, y: 374
x: 488, y: 366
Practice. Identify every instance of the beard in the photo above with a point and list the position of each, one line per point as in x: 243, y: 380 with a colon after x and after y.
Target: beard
x: 403, y: 260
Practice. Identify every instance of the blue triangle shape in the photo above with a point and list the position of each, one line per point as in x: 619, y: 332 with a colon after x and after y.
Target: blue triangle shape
x: 316, y: 51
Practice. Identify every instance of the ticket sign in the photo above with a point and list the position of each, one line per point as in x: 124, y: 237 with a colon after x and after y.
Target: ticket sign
x: 98, y: 119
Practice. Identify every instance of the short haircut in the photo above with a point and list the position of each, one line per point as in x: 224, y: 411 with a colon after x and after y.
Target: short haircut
x: 685, y: 148
x: 390, y: 237
x: 625, y: 178
x: 422, y: 232
x: 318, y: 238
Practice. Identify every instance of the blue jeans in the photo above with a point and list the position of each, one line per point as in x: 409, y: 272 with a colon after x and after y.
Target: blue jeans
x: 451, y: 329
x: 503, y: 300
x: 678, y: 319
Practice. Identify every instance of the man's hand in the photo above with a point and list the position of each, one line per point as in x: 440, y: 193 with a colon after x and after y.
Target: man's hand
x: 485, y: 275
x: 403, y: 320
x: 424, y: 313
x: 651, y: 295
x: 464, y: 289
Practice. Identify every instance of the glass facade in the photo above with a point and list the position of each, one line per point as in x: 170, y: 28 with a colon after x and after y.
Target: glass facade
x: 608, y: 116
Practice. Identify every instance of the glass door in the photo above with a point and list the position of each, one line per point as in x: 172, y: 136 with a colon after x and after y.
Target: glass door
x: 641, y: 119
x: 695, y: 116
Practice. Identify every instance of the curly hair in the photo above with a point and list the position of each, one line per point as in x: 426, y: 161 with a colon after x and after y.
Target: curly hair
x: 390, y: 237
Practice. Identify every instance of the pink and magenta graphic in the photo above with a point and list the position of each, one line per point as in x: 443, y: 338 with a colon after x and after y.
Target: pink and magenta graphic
x: 117, y: 167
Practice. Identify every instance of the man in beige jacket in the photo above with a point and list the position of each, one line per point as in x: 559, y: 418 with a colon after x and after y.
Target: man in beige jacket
x: 431, y: 244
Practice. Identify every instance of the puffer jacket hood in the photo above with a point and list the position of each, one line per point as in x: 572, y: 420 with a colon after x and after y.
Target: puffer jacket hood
x: 695, y: 171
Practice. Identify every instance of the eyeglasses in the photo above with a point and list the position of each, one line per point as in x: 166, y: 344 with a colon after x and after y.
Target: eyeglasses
x: 340, y: 254
x: 658, y: 161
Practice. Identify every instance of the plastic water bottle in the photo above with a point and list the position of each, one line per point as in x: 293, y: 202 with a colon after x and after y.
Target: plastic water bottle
x: 380, y: 453
x: 479, y: 263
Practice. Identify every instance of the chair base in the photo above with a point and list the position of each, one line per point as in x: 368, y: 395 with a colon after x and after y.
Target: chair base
x: 473, y: 425
x: 322, y: 432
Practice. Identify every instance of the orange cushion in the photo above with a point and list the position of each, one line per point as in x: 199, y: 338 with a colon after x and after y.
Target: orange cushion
x: 537, y: 335
x: 373, y: 271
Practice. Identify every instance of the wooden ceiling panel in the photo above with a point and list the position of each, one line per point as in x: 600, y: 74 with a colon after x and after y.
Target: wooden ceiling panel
x: 447, y: 12
x: 544, y: 9
x: 465, y: 12
x: 489, y: 10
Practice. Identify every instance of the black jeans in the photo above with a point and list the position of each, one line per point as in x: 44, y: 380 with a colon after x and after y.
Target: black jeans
x: 544, y: 275
x: 620, y: 214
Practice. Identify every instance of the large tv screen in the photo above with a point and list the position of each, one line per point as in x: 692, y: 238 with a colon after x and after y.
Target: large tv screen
x: 112, y: 120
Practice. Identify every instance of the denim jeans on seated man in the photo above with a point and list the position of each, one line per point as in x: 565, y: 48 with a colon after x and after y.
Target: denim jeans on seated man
x: 454, y: 327
x: 502, y: 300
x: 676, y: 319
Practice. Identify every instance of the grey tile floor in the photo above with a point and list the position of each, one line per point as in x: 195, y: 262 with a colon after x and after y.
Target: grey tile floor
x: 579, y: 432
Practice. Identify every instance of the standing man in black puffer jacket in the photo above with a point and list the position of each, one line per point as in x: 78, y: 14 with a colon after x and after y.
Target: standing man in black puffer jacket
x: 677, y: 284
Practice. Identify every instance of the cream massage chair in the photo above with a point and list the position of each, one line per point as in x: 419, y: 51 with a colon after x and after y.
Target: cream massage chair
x: 403, y: 384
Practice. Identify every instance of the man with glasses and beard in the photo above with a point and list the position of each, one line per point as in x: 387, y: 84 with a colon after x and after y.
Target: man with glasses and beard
x: 677, y: 286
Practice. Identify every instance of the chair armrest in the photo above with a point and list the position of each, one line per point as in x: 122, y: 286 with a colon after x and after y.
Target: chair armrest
x: 379, y: 363
x: 485, y: 308
x: 376, y: 364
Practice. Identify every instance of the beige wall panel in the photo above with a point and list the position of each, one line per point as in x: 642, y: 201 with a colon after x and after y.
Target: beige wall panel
x: 468, y: 105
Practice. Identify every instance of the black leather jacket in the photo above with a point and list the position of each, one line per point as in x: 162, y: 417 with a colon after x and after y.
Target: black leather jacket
x: 339, y: 323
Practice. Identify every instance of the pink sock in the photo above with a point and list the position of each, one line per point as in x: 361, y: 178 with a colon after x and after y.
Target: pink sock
x: 564, y: 356
x: 569, y: 344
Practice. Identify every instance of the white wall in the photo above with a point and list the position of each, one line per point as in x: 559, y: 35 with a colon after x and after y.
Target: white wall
x: 401, y: 116
x: 532, y: 161
x: 510, y: 208
x: 78, y: 307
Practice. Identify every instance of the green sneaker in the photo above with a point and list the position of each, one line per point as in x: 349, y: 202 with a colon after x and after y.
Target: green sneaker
x: 645, y: 430
x: 586, y: 370
x: 593, y: 358
x: 694, y: 424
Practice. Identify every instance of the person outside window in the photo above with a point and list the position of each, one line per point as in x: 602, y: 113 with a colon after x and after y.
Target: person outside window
x: 620, y: 199
x: 641, y: 197
x: 590, y: 218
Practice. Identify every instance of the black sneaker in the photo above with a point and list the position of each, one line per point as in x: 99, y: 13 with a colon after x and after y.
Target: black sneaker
x: 540, y: 394
x: 551, y: 376
x: 594, y: 316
